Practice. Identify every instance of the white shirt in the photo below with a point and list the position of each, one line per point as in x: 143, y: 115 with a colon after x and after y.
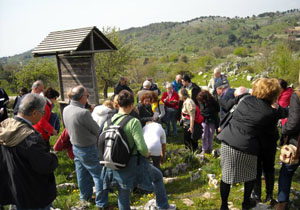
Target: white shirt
x: 154, y: 136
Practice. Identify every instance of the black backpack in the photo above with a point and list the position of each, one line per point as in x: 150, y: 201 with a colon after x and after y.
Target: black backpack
x: 113, y: 146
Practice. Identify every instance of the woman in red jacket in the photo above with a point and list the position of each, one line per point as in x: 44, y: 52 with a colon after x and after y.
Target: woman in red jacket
x: 171, y: 99
x: 43, y: 126
x: 285, y: 96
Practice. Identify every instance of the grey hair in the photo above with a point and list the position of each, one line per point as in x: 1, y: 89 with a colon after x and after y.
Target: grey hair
x: 77, y: 92
x: 37, y: 84
x: 169, y: 85
x: 146, y: 84
x: 217, y: 70
x: 31, y: 102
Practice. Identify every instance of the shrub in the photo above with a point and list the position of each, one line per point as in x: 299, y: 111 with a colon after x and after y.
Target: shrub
x: 241, y: 51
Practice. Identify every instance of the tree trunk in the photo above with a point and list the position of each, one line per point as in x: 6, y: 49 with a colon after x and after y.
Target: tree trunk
x: 105, y: 89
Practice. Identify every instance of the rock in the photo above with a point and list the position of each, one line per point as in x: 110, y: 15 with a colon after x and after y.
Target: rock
x: 196, y: 175
x: 249, y: 78
x: 175, y: 171
x: 261, y: 206
x: 188, y: 202
x: 167, y: 173
x: 200, y: 73
x: 170, y: 179
x: 182, y: 167
x: 137, y: 207
x: 204, y: 76
x: 207, y: 195
x: 150, y: 205
x: 200, y: 157
x: 65, y: 186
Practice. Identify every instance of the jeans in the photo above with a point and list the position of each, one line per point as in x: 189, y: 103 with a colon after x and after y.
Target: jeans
x: 87, y: 169
x: 44, y: 208
x: 159, y: 190
x: 171, y: 116
x: 207, y: 136
x: 285, y: 180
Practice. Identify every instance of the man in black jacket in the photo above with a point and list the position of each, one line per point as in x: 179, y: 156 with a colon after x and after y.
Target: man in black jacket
x: 122, y: 85
x: 26, y: 168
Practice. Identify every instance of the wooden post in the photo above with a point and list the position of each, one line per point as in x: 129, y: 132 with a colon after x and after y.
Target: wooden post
x: 61, y: 88
x: 93, y: 70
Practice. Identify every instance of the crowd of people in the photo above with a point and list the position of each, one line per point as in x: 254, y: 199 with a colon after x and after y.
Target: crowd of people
x: 245, y: 123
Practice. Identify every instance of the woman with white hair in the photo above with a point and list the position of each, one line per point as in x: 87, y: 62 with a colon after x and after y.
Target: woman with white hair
x: 170, y: 99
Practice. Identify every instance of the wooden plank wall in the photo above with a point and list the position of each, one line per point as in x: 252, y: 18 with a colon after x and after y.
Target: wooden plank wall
x: 77, y: 70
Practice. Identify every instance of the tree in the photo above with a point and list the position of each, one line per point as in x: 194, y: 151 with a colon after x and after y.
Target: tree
x: 231, y: 39
x: 111, y: 65
x: 37, y: 69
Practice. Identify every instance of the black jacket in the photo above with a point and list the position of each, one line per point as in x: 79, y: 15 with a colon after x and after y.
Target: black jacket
x: 26, y: 171
x: 145, y: 113
x: 252, y: 120
x: 119, y: 88
x: 210, y: 112
x: 292, y: 126
x: 223, y: 100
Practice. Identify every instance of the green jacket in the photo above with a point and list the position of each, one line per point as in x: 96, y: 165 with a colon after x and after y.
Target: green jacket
x: 134, y: 132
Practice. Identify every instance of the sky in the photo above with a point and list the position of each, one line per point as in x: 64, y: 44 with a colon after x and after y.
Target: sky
x: 25, y: 23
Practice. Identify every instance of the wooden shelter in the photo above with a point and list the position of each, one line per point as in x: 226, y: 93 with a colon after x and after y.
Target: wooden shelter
x: 74, y: 50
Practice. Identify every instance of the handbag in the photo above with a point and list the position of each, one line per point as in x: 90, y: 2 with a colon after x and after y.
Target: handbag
x: 225, y: 121
x: 289, y: 154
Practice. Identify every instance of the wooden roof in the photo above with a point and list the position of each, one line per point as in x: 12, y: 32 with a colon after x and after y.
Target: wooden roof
x: 75, y: 41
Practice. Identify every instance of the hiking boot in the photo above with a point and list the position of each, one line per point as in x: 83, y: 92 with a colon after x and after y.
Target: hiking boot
x: 248, y: 204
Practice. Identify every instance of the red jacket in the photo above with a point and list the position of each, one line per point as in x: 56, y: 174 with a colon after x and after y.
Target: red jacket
x: 284, y: 100
x: 63, y: 143
x: 173, y: 97
x: 43, y: 126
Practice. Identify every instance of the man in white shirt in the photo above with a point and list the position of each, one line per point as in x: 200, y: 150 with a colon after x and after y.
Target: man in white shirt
x: 155, y: 138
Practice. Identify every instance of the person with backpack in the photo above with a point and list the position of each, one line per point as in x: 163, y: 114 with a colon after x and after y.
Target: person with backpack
x: 136, y: 171
x: 191, y: 120
x: 83, y: 132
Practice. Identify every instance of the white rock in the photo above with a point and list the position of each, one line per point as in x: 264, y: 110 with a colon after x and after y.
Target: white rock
x: 170, y: 179
x: 66, y: 185
x: 188, y: 202
x: 200, y: 73
x: 249, y: 78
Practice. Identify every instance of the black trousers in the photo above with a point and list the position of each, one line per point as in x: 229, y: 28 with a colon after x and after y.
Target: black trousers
x: 265, y: 165
x: 188, y: 141
x: 156, y: 161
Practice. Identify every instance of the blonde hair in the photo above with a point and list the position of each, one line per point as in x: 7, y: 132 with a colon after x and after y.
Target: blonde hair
x: 109, y: 104
x: 266, y: 88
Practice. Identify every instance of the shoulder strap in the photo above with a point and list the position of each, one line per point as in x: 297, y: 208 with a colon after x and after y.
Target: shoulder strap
x: 124, y: 121
x: 236, y: 105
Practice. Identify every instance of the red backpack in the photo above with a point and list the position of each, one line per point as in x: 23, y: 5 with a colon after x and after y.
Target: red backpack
x: 198, y: 116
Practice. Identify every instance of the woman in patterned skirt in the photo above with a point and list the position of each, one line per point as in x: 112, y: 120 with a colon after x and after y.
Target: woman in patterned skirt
x: 241, y: 138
